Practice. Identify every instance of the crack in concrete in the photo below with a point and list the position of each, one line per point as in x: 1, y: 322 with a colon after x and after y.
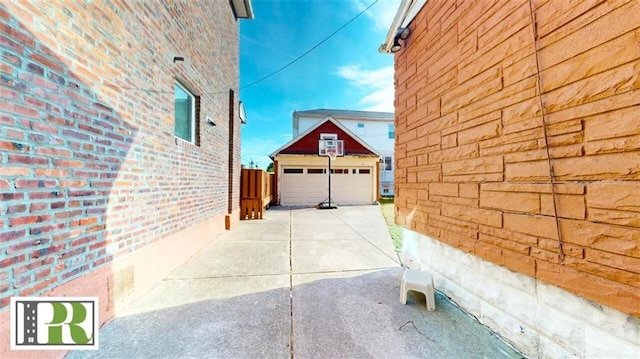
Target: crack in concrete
x: 416, y: 328
x: 363, y: 237
x: 290, y: 288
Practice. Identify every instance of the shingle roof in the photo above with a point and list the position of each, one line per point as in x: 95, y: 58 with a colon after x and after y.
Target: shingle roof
x: 323, y: 112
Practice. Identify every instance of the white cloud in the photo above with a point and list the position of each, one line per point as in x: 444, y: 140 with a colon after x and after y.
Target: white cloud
x: 376, y: 85
x: 382, y: 13
x: 381, y: 100
x: 366, y: 78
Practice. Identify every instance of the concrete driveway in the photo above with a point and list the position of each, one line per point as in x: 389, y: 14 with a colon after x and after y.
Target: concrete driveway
x: 301, y: 283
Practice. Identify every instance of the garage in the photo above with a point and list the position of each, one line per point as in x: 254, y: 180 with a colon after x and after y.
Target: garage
x: 308, y: 186
x: 302, y: 175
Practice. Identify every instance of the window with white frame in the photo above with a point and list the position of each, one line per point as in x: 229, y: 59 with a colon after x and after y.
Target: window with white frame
x: 185, y: 113
x: 392, y: 132
x: 387, y: 163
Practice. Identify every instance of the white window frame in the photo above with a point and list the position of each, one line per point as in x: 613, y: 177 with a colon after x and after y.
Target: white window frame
x: 193, y: 114
x: 384, y: 168
x: 360, y: 128
x: 328, y: 136
x: 389, y: 132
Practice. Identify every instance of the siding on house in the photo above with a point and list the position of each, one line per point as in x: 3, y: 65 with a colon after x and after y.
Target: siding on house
x: 97, y: 197
x: 351, y: 186
x: 474, y: 147
x: 374, y: 128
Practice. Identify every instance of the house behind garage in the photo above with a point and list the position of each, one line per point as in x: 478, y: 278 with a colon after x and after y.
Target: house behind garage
x: 377, y: 129
x: 301, y: 175
x: 110, y: 173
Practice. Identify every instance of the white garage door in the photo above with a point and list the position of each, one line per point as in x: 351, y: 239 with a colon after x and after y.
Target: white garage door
x: 309, y: 186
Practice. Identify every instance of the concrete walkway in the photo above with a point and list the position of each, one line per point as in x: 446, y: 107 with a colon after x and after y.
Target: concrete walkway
x: 302, y: 283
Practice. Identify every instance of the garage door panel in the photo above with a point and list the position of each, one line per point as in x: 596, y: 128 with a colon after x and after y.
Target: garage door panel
x: 312, y: 188
x: 351, y: 188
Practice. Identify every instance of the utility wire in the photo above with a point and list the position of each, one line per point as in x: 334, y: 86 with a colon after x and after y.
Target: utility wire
x: 264, y: 77
x: 310, y: 50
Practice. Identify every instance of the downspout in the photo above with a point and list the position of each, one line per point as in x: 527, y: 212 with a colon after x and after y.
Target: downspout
x: 552, y: 177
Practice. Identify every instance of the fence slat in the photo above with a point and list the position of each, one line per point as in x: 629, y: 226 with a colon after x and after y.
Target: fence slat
x: 255, y: 193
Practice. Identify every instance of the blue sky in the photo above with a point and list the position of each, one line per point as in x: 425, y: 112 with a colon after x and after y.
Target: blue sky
x: 346, y: 72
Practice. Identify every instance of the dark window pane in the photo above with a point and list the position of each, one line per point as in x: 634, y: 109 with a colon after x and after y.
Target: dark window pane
x: 387, y: 166
x: 183, y: 113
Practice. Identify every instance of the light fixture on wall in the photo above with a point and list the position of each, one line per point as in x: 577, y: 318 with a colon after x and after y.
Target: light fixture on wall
x: 396, y: 45
x: 210, y: 121
x: 402, y: 34
x: 178, y: 58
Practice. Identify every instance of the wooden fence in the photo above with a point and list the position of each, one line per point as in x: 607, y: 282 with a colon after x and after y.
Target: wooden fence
x: 255, y: 193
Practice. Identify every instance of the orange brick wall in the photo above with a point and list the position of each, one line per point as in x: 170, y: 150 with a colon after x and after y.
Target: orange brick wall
x: 473, y: 165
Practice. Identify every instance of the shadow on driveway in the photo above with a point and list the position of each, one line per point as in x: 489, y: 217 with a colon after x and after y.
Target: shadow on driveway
x: 299, y: 284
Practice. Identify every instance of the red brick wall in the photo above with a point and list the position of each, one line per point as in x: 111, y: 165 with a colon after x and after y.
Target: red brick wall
x: 472, y: 159
x: 89, y: 167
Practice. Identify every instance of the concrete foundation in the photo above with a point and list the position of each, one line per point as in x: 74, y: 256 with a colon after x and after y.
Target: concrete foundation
x: 541, y: 320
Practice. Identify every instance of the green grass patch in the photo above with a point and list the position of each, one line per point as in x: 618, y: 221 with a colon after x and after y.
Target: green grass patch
x: 395, y: 231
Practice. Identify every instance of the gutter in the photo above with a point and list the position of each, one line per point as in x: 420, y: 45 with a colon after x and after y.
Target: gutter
x: 406, y: 13
x: 249, y: 7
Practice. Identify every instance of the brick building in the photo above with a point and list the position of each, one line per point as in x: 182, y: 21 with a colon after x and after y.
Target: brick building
x: 517, y: 165
x: 119, y: 143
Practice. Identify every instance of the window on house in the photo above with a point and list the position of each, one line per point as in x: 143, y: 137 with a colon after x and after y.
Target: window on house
x: 293, y: 170
x: 392, y: 132
x: 364, y: 171
x: 387, y: 164
x: 385, y: 190
x: 360, y: 129
x: 328, y: 136
x: 185, y: 113
x: 316, y: 171
x: 340, y: 171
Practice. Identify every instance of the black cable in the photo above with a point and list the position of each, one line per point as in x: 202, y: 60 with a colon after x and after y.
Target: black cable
x: 311, y: 49
x: 271, y: 74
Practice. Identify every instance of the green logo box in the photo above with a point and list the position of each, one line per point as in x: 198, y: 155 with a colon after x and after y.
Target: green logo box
x: 54, y: 323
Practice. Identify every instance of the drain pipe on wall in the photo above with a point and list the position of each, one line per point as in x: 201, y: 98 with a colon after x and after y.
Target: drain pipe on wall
x: 534, y: 30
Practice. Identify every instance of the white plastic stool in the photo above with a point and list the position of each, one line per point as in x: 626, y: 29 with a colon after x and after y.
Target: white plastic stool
x: 420, y: 282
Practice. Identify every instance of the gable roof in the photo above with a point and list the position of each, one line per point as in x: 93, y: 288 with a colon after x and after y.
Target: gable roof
x: 307, y: 142
x: 346, y: 114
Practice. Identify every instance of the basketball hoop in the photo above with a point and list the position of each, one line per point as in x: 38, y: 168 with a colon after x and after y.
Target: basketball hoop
x: 332, y: 153
x: 331, y: 148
